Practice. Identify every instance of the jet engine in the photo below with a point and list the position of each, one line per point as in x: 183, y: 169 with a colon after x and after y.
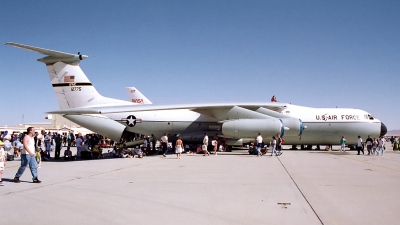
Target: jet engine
x: 249, y: 128
x: 292, y: 127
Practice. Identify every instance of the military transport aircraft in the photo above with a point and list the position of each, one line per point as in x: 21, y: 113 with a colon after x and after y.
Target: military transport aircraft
x: 239, y: 123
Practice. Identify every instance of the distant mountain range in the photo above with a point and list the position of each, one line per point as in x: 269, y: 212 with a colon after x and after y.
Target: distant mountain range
x: 393, y: 133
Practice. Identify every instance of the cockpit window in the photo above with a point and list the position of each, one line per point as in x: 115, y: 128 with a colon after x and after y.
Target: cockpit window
x: 370, y: 117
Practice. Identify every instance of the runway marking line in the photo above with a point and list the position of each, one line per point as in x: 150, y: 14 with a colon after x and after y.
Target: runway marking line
x: 385, y: 167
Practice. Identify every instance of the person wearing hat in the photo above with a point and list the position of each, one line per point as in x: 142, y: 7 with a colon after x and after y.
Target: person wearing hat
x: 3, y: 161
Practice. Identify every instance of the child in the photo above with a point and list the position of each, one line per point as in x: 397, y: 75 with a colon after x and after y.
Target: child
x: 126, y: 153
x: 38, y: 157
x: 96, y: 152
x: 215, y: 144
x: 3, y: 160
x: 68, y: 154
x: 374, y: 146
x: 137, y: 153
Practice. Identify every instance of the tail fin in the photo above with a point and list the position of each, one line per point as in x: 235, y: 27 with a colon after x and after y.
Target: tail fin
x: 136, y: 96
x: 71, y: 86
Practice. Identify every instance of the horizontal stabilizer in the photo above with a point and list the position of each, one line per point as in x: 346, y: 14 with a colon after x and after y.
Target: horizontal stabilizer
x: 51, y: 55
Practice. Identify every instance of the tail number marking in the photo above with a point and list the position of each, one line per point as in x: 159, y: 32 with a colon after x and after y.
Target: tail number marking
x: 76, y: 89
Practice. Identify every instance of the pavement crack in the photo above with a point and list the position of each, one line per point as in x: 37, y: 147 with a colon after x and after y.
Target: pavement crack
x: 298, y: 188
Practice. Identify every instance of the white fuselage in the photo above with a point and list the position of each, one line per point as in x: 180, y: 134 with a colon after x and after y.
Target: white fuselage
x: 323, y: 125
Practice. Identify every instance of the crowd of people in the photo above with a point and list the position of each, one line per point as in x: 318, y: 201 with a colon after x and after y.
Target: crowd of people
x: 260, y: 148
x: 34, y: 147
x: 374, y: 146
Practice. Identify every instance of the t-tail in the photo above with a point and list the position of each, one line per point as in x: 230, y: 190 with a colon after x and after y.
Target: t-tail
x: 72, y: 87
x: 135, y: 96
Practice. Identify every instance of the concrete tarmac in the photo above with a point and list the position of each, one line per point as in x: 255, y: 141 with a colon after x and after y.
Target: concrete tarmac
x: 298, y: 187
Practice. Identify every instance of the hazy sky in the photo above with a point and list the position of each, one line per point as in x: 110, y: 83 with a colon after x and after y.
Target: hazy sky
x: 311, y: 53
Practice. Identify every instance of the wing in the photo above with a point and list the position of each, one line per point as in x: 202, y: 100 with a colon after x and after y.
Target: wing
x: 221, y: 111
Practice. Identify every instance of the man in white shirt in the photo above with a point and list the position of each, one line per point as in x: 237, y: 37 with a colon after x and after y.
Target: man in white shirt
x: 259, y: 141
x: 164, y: 143
x: 381, y: 144
x: 40, y: 141
x: 205, y: 145
x: 28, y: 157
x: 359, y: 145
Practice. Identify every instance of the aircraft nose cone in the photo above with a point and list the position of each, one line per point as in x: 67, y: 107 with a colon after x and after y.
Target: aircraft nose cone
x: 383, y: 129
